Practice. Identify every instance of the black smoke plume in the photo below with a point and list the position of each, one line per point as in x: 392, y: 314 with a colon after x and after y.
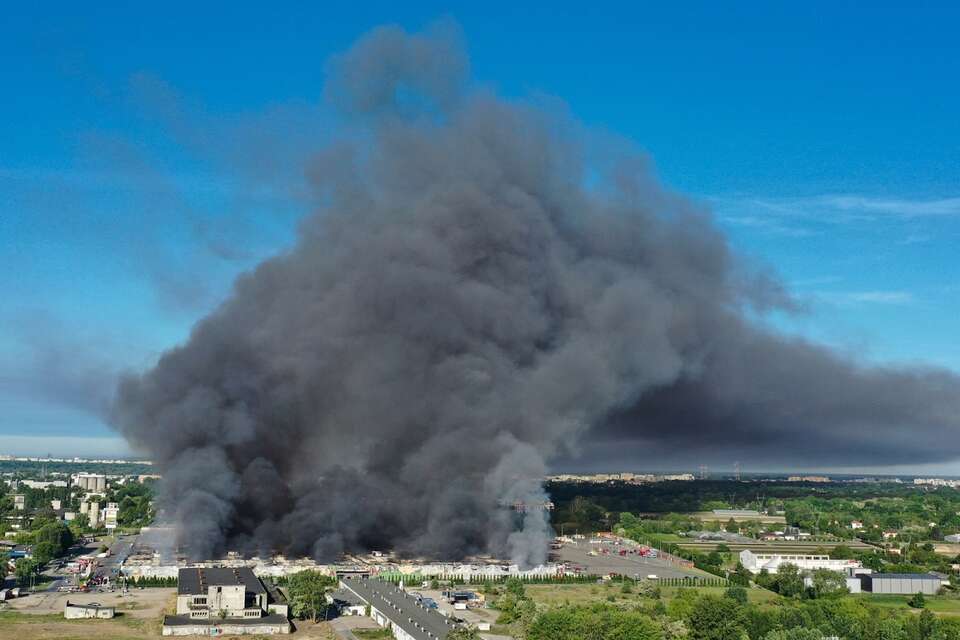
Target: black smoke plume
x: 480, y: 288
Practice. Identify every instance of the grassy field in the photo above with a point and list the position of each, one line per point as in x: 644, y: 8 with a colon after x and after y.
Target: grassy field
x: 23, y: 626
x: 941, y: 605
x: 555, y: 594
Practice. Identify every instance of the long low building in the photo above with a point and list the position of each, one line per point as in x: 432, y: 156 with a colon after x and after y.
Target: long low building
x: 757, y: 562
x: 401, y: 612
x: 75, y: 611
x: 902, y: 583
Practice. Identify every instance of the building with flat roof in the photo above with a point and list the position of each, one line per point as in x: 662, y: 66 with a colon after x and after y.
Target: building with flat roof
x: 346, y: 603
x: 75, y: 611
x: 757, y: 562
x: 225, y: 601
x: 902, y: 583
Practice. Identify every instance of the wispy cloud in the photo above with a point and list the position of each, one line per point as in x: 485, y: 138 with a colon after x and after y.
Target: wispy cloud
x: 890, y: 206
x: 867, y: 297
x: 770, y: 224
x: 798, y: 216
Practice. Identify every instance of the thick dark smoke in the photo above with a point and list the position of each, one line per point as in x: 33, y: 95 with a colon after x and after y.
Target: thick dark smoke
x: 477, y: 292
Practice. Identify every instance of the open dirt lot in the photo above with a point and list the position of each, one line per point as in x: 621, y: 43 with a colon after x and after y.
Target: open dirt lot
x: 138, y: 603
x: 53, y: 627
x: 39, y: 616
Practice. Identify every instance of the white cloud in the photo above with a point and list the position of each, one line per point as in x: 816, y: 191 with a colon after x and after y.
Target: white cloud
x: 867, y: 297
x: 894, y: 206
x: 793, y: 216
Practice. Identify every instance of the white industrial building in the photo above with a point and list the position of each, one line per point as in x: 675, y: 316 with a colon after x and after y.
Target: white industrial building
x: 91, y: 482
x: 757, y: 562
x: 391, y: 607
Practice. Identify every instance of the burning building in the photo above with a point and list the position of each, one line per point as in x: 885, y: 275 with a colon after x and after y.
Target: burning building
x: 482, y: 285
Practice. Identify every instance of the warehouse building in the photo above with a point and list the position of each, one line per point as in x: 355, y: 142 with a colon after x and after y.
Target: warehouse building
x: 393, y: 608
x: 225, y: 601
x: 902, y: 583
x: 757, y: 562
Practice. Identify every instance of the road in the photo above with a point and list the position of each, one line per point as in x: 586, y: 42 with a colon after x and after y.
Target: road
x: 109, y: 567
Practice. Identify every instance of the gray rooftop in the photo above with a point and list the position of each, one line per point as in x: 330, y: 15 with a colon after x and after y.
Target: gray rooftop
x: 196, y: 580
x: 345, y: 597
x: 903, y: 576
x: 403, y: 609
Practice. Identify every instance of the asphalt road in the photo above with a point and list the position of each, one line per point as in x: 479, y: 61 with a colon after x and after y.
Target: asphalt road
x: 119, y: 552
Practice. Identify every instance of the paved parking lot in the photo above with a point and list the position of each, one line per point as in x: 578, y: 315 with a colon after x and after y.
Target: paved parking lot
x: 608, y: 560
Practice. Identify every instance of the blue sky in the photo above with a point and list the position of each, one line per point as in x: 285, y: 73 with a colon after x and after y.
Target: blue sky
x: 147, y: 157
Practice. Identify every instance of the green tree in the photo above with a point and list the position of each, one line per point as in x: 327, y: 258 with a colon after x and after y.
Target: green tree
x: 44, y: 552
x: 80, y: 524
x: 891, y: 629
x: 917, y: 601
x: 599, y: 622
x: 714, y: 618
x: 464, y: 633
x: 308, y: 590
x: 740, y: 576
x: 797, y: 633
x: 25, y: 570
x: 766, y: 580
x: 789, y: 582
x: 842, y: 552
x: 515, y: 586
x: 737, y: 594
x: 926, y: 625
x: 827, y: 583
